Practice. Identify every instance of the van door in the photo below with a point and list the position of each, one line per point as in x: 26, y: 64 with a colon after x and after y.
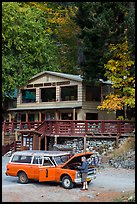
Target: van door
x: 47, y: 171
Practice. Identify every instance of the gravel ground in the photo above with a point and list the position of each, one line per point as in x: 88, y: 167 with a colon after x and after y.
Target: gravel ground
x: 110, y: 184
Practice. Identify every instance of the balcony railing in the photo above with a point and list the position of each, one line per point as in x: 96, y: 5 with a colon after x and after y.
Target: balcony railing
x: 74, y: 127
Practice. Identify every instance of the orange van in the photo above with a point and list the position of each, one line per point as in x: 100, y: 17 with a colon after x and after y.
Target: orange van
x: 58, y: 166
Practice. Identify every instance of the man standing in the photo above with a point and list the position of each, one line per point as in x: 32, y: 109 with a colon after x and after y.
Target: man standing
x: 84, y: 171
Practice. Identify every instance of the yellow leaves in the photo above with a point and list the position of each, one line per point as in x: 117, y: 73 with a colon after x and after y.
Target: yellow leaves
x: 112, y: 102
x: 48, y: 30
x: 118, y: 70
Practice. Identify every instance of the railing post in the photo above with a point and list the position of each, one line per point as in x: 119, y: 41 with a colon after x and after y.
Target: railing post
x: 20, y: 126
x: 16, y: 135
x: 86, y: 127
x: 119, y: 128
x: 102, y: 127
x: 72, y: 125
x: 57, y: 125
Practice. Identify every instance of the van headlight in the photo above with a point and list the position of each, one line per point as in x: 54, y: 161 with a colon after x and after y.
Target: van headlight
x: 78, y: 174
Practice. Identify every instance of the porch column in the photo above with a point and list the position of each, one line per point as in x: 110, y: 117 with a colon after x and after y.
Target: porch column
x: 26, y: 116
x: 74, y: 112
x: 56, y: 115
x: 39, y: 142
x: 39, y: 116
x: 9, y: 117
x: 35, y: 142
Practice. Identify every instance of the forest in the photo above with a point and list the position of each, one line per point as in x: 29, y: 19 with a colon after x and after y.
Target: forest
x: 93, y: 39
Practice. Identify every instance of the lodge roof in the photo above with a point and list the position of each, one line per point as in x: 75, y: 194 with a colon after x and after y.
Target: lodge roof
x: 67, y: 76
x: 59, y: 74
x: 44, y: 107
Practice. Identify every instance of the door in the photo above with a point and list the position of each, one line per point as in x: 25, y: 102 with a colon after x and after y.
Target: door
x: 36, y: 163
x: 47, y: 171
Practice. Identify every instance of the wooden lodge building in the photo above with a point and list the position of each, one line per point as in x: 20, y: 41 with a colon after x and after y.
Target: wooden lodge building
x: 58, y: 96
x: 53, y: 96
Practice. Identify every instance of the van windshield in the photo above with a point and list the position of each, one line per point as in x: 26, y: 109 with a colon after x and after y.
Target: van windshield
x: 61, y: 159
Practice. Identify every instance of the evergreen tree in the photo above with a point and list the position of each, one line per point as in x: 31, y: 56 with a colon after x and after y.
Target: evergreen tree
x: 101, y: 23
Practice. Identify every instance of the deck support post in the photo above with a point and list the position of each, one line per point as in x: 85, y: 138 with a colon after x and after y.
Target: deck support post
x: 85, y: 143
x: 117, y: 139
x: 55, y: 139
x: 45, y: 142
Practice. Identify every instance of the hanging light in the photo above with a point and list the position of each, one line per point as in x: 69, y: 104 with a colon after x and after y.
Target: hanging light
x: 69, y: 114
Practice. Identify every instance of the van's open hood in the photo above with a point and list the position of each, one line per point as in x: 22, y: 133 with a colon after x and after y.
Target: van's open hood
x: 77, y: 158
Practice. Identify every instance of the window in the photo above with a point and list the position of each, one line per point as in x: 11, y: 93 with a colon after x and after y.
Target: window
x: 93, y: 93
x: 21, y: 159
x: 28, y: 96
x: 48, y: 94
x: 23, y: 117
x: 69, y: 93
x: 37, y: 160
x: 31, y: 117
x: 38, y: 85
x: 47, y: 162
x: 61, y: 159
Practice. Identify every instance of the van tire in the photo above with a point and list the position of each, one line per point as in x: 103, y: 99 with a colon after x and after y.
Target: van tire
x: 67, y: 182
x: 22, y: 177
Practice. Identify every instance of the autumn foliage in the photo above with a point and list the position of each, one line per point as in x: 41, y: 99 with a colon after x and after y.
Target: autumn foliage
x: 119, y: 71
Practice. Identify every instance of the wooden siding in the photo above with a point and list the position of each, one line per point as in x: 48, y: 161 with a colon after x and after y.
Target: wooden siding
x: 51, y: 79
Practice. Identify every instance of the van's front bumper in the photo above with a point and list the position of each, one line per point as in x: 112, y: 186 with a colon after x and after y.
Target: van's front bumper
x: 89, y: 178
x: 91, y: 175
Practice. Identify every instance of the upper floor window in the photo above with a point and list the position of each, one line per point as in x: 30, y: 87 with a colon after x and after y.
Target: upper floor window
x: 106, y: 90
x: 48, y: 94
x: 93, y: 93
x: 28, y: 96
x: 69, y: 93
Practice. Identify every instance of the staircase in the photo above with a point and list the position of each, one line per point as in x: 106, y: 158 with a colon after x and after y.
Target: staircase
x: 13, y: 147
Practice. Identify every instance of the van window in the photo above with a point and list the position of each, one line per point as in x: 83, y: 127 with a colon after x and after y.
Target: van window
x: 37, y: 160
x: 47, y: 162
x: 62, y: 159
x: 21, y: 159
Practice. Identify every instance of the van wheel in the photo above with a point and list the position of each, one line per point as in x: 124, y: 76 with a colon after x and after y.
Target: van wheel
x: 67, y: 182
x: 22, y: 178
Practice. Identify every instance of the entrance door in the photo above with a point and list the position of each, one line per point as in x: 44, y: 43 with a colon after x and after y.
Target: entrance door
x: 42, y: 147
x: 47, y: 171
x: 67, y: 116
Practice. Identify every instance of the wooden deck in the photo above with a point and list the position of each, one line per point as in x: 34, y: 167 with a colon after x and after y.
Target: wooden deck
x: 73, y: 128
x: 98, y: 129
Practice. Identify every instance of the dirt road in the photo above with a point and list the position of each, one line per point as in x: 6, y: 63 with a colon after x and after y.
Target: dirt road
x: 109, y: 185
